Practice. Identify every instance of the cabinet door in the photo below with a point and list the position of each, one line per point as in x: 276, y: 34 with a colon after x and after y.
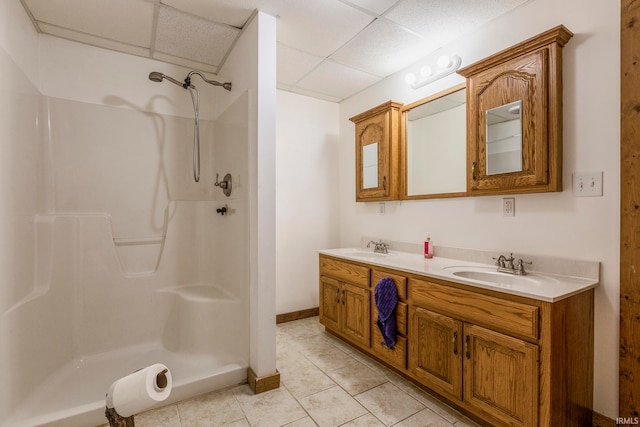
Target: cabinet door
x: 377, y: 155
x: 501, y: 376
x: 356, y: 312
x: 435, y: 351
x: 525, y: 159
x: 514, y: 117
x: 330, y: 298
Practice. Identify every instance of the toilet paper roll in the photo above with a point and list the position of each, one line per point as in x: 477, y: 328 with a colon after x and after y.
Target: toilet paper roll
x: 140, y: 390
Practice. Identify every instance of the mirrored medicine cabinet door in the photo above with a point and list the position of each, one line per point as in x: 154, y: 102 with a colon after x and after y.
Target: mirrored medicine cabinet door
x: 434, y: 146
x: 514, y: 126
x: 504, y: 138
x: 377, y: 152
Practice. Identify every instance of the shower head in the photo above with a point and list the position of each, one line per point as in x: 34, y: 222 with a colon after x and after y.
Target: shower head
x: 155, y: 76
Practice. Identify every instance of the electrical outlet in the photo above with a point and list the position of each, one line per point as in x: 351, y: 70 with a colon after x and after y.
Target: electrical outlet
x: 587, y: 184
x: 382, y: 208
x: 509, y: 206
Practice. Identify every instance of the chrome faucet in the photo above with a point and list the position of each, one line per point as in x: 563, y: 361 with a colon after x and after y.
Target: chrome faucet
x: 505, y: 265
x: 379, y: 247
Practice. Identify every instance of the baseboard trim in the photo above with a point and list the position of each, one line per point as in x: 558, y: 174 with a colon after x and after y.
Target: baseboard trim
x: 297, y: 315
x: 261, y: 384
x: 599, y: 420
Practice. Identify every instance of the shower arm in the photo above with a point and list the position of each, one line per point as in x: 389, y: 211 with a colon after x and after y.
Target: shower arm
x: 187, y: 81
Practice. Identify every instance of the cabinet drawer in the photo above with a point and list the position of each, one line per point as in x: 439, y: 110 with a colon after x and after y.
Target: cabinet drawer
x: 396, y: 357
x: 345, y: 271
x: 400, y: 281
x: 509, y: 316
x: 401, y: 316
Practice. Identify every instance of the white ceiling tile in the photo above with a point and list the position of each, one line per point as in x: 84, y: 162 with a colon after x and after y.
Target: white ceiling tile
x: 317, y: 95
x: 126, y: 21
x: 93, y: 40
x: 230, y: 12
x: 337, y: 80
x: 319, y: 27
x: 383, y: 48
x: 445, y: 20
x: 376, y: 6
x: 188, y: 36
x: 294, y: 64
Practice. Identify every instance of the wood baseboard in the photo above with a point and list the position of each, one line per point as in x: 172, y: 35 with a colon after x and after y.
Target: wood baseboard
x: 297, y: 315
x: 261, y: 384
x: 600, y: 420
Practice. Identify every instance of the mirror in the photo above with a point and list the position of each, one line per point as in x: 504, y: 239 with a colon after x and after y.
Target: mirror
x: 435, y: 145
x: 370, y: 166
x: 504, y: 138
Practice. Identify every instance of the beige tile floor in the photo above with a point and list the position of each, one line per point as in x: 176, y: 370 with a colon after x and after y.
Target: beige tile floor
x: 323, y: 383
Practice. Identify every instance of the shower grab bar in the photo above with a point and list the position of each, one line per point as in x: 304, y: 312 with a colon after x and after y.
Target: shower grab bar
x: 142, y: 240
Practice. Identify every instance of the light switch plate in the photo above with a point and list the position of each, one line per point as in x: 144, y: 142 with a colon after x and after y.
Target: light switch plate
x: 587, y: 184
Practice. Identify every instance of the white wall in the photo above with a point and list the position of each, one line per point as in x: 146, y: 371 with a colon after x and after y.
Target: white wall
x: 21, y: 198
x: 306, y: 195
x: 251, y: 67
x: 555, y: 224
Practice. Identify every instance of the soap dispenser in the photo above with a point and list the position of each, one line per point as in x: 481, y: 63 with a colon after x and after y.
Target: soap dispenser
x: 428, y: 247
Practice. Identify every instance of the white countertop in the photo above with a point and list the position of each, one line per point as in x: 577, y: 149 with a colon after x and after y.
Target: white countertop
x: 541, y: 286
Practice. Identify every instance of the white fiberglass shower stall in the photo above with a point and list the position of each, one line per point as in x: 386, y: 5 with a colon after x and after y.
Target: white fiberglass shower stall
x: 113, y: 257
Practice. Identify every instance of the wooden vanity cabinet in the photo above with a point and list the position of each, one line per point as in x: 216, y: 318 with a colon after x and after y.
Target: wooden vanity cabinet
x: 345, y: 299
x: 529, y: 72
x: 378, y: 153
x: 492, y: 372
x: 505, y: 359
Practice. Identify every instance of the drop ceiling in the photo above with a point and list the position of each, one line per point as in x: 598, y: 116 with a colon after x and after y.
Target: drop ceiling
x: 327, y: 49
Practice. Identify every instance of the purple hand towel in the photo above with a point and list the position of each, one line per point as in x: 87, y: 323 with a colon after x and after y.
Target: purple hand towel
x: 386, y: 298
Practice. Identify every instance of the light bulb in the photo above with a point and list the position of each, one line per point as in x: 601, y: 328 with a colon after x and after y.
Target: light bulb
x: 410, y: 78
x: 425, y: 71
x: 444, y: 61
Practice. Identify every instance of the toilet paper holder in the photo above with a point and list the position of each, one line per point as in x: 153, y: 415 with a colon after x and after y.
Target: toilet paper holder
x: 158, y: 384
x: 161, y: 379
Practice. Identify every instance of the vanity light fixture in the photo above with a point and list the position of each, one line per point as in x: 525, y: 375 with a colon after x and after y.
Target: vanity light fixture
x: 444, y: 66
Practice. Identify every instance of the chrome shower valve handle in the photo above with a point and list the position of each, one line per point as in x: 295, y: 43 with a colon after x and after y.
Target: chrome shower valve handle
x: 225, y: 184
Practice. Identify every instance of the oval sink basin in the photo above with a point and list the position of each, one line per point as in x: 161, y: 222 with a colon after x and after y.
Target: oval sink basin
x: 496, y: 277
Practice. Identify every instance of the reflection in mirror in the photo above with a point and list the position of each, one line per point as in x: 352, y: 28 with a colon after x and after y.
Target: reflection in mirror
x: 436, y: 145
x: 504, y: 138
x: 370, y: 166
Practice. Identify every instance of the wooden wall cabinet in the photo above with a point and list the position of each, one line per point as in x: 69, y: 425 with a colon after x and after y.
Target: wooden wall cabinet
x: 505, y: 359
x: 377, y: 153
x: 529, y: 72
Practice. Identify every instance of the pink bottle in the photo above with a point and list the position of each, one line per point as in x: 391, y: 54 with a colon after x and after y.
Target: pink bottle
x: 428, y: 247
